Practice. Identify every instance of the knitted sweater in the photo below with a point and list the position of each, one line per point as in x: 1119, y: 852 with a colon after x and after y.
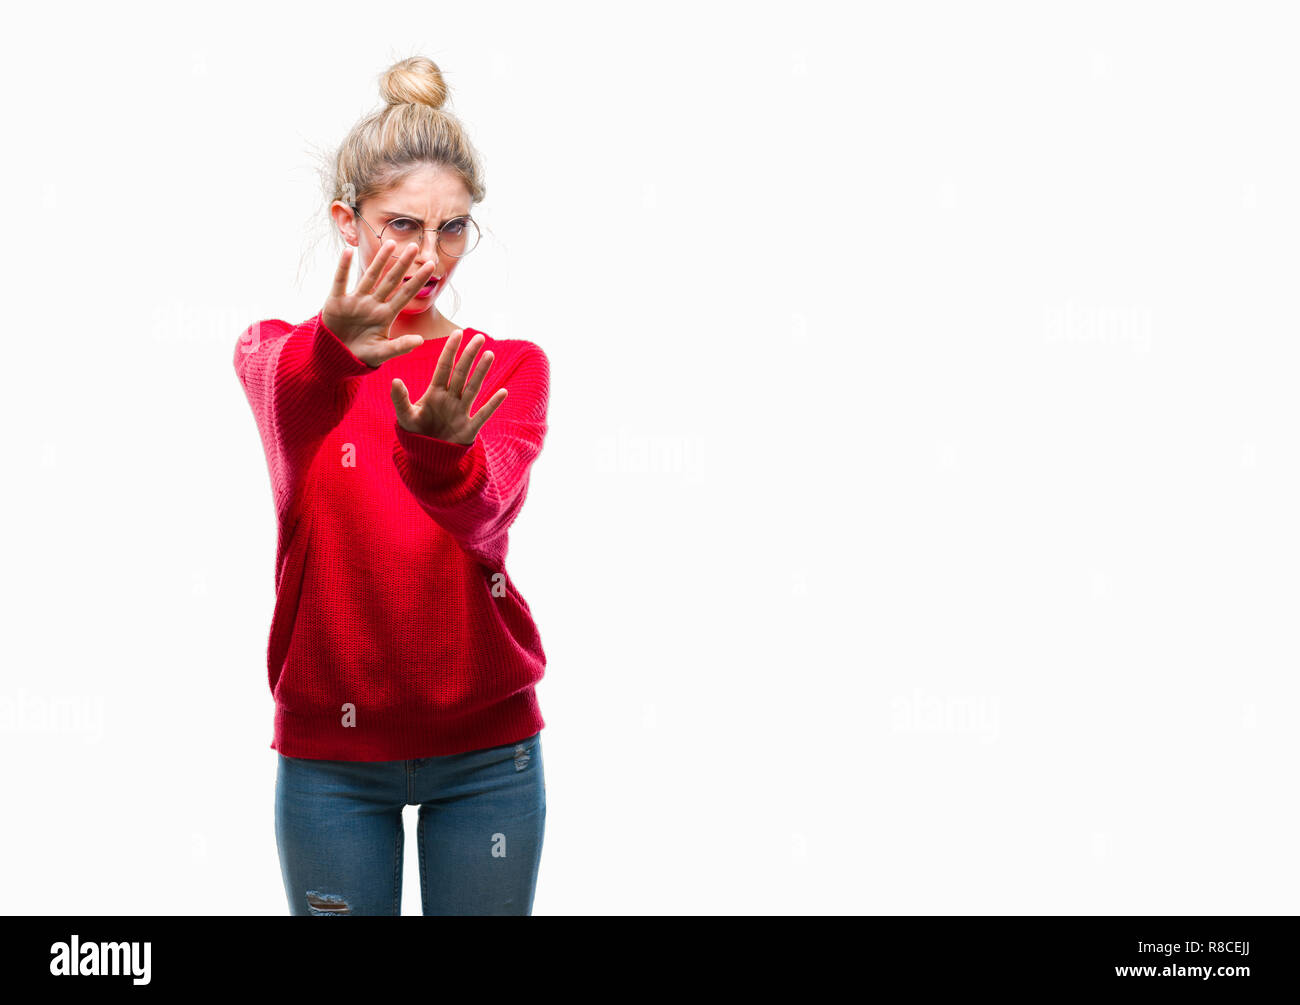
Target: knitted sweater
x: 397, y: 632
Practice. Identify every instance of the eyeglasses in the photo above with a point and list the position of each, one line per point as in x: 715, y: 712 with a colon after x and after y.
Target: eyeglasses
x: 455, y: 238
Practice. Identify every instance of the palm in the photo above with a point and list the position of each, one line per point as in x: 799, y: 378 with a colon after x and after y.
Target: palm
x: 362, y: 319
x: 443, y: 410
x: 368, y: 319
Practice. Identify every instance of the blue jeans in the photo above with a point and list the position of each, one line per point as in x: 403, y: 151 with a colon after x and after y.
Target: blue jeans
x: 338, y: 827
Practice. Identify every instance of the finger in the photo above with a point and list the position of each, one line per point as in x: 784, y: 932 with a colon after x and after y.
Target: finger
x: 443, y: 370
x: 476, y: 377
x: 340, y: 287
x: 462, y: 366
x: 399, y: 347
x: 401, y: 399
x: 394, y: 275
x: 412, y: 286
x: 483, y: 414
x: 376, y: 268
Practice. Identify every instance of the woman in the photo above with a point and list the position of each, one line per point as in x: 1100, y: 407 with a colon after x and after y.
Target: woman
x: 402, y: 658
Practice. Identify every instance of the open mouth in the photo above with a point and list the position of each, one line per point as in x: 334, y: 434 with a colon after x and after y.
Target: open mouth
x: 427, y: 290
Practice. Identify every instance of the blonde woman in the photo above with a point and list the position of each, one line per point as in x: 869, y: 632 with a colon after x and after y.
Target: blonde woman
x: 402, y: 658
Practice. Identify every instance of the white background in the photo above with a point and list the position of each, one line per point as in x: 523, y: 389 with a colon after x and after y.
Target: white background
x: 916, y: 530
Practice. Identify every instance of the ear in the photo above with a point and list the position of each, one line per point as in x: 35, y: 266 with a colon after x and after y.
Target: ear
x: 346, y: 222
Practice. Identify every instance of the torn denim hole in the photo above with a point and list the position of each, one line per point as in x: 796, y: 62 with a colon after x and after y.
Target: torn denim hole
x: 521, y: 757
x: 325, y: 904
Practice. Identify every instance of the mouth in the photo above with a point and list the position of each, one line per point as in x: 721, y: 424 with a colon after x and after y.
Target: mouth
x: 428, y: 288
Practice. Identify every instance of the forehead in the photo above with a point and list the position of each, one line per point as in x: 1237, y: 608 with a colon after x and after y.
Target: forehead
x: 427, y: 192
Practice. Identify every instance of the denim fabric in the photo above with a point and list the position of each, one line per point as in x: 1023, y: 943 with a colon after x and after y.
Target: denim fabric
x: 338, y: 827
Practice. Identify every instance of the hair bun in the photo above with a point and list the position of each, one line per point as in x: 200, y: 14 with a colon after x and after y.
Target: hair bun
x: 414, y: 81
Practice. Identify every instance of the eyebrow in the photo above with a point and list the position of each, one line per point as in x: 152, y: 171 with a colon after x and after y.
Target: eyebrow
x: 410, y: 216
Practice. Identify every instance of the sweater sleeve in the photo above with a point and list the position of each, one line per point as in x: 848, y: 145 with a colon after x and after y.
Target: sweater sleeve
x: 300, y: 382
x: 474, y: 491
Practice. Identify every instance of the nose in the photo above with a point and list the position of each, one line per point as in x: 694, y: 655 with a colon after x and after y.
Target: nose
x: 421, y: 257
x: 427, y: 241
x: 419, y: 262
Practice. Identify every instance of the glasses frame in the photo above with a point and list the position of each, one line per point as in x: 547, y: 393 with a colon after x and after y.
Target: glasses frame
x: 437, y: 231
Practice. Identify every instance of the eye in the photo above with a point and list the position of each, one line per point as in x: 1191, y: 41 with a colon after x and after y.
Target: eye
x: 454, y: 228
x: 404, y: 226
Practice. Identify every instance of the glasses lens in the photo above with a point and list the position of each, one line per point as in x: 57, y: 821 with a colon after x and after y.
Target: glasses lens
x: 403, y: 230
x: 458, y: 237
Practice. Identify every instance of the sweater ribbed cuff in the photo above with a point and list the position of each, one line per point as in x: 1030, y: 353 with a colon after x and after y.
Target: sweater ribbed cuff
x: 331, y: 360
x: 440, y: 464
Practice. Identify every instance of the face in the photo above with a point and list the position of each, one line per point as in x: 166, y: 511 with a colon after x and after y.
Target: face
x: 430, y: 195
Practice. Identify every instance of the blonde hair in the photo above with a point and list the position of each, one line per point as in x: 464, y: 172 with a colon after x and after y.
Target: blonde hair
x: 412, y: 130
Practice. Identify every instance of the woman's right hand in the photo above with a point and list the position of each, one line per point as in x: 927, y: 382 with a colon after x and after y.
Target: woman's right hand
x: 361, y: 319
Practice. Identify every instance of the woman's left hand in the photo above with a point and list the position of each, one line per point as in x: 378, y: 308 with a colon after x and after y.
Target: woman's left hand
x: 443, y: 409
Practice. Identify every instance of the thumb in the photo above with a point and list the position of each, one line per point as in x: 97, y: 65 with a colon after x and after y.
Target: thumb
x: 401, y: 400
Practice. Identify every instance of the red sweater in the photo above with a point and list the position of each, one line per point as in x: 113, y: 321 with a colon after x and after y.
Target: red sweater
x: 397, y: 632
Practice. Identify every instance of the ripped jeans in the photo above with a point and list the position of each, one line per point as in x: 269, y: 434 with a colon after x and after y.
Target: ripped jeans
x: 338, y: 827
